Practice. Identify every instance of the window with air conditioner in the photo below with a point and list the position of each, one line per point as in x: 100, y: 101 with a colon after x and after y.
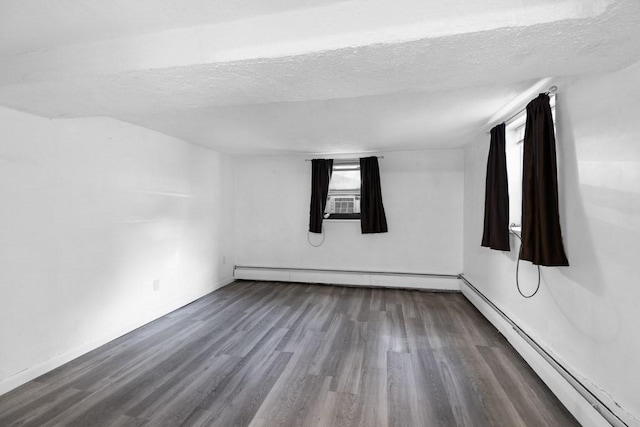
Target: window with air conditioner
x: 343, y: 201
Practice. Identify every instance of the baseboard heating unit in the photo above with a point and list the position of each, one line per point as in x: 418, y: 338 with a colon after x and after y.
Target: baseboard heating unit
x: 586, y: 405
x: 424, y: 281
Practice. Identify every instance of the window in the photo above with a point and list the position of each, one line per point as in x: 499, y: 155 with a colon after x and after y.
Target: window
x: 343, y: 201
x: 514, y: 135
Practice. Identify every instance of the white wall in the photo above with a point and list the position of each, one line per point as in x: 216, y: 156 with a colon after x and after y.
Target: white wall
x: 93, y: 211
x: 586, y: 314
x: 422, y: 194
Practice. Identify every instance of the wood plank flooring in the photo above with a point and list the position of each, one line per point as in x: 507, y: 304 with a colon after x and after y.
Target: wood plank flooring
x: 276, y: 354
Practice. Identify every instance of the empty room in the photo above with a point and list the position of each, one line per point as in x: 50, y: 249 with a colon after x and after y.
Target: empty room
x: 319, y: 213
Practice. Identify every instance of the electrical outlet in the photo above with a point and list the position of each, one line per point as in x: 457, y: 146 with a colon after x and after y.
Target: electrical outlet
x: 224, y: 259
x: 156, y: 285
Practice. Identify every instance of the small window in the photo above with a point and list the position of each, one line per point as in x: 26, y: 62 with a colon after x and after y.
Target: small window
x: 343, y: 201
x: 514, y: 135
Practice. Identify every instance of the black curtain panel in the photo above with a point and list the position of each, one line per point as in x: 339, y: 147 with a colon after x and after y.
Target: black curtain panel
x: 320, y: 176
x: 496, y: 196
x: 541, y: 234
x: 372, y: 217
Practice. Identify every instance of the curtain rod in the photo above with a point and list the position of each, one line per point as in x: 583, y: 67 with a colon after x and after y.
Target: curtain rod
x: 552, y: 90
x: 380, y: 157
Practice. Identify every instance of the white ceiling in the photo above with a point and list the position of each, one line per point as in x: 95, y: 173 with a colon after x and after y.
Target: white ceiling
x: 312, y: 76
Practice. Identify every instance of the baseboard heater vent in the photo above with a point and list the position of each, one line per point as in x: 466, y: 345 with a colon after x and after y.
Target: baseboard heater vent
x: 424, y: 281
x: 593, y: 400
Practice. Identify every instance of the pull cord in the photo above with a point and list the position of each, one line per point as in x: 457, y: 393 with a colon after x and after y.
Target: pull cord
x: 518, y: 270
x: 321, y: 241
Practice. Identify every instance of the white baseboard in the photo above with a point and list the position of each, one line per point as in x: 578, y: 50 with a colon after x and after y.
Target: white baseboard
x: 42, y: 368
x: 579, y: 407
x: 433, y: 282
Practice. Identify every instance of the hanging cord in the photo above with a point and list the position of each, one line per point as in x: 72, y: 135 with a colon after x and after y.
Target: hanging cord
x: 518, y: 270
x: 321, y: 241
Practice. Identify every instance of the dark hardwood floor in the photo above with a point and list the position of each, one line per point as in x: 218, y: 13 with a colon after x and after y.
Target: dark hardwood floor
x: 274, y: 354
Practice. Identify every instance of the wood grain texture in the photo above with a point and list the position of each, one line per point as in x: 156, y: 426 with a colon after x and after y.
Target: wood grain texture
x: 281, y: 354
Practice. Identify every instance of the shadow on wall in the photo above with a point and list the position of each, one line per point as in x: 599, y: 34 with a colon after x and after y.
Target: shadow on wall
x: 584, y: 266
x: 591, y: 311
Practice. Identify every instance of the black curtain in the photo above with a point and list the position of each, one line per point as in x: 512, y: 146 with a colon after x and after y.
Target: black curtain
x: 496, y: 196
x: 320, y: 176
x: 541, y: 234
x: 372, y: 217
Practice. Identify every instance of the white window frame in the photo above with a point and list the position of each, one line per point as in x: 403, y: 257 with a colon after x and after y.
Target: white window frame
x: 354, y: 193
x: 514, y: 149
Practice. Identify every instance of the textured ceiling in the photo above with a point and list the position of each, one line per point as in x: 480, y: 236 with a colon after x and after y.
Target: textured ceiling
x: 302, y: 76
